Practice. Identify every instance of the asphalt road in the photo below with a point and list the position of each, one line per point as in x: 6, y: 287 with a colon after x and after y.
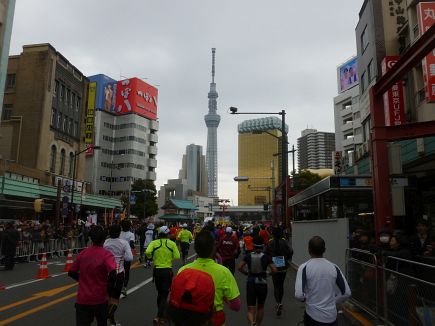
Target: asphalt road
x: 27, y: 301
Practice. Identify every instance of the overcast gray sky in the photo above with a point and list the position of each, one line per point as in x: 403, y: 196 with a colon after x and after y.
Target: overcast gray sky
x: 271, y: 55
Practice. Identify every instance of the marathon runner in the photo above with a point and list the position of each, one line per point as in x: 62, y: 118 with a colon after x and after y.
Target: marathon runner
x: 185, y: 237
x: 128, y: 236
x: 122, y: 252
x: 95, y: 269
x: 162, y: 251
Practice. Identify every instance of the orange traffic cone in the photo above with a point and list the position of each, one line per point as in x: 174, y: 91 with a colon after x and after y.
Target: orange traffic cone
x: 69, y: 261
x: 43, y: 269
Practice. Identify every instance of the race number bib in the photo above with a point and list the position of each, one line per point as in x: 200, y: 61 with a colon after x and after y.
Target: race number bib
x: 279, y: 261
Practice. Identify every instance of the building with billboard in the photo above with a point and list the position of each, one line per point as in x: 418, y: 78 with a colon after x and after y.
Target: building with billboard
x: 347, y: 116
x: 122, y: 121
x: 315, y: 149
x: 384, y: 33
x: 258, y: 145
x: 42, y: 129
x: 7, y: 8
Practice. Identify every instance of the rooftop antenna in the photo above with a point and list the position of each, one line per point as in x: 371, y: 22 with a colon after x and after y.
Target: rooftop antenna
x: 213, y: 51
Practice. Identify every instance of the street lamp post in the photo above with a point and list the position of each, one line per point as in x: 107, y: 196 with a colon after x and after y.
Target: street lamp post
x: 74, y: 177
x: 284, y: 167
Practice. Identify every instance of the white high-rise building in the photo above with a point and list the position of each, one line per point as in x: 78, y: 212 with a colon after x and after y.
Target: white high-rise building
x: 315, y: 149
x: 193, y: 169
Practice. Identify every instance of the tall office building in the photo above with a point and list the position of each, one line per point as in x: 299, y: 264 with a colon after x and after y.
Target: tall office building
x: 193, y: 169
x: 7, y: 8
x: 347, y: 115
x: 212, y: 120
x: 315, y: 149
x: 43, y: 113
x: 121, y: 119
x: 258, y: 144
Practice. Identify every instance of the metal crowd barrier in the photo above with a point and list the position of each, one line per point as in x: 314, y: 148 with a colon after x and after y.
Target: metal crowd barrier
x: 363, y: 278
x: 398, y: 292
x: 28, y: 250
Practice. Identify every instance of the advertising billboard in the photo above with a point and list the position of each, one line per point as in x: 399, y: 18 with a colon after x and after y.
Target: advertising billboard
x: 135, y: 96
x: 90, y: 114
x: 105, y: 92
x: 394, y: 105
x: 426, y: 18
x: 348, y: 75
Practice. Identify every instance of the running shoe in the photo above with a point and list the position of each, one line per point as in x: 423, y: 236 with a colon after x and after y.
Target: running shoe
x: 113, y: 322
x: 278, y: 309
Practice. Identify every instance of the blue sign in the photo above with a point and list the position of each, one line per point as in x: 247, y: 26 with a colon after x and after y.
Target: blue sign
x: 133, y: 199
x: 106, y: 92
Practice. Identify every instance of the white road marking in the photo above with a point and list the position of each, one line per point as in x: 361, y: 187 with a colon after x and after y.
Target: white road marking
x: 22, y: 283
x: 137, y: 287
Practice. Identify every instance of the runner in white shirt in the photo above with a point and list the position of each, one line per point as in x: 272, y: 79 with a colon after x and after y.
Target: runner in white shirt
x: 150, y: 235
x: 317, y: 282
x: 122, y: 252
x: 128, y: 236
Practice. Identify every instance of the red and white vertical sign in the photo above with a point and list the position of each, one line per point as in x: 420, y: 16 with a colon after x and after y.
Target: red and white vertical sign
x: 394, y: 106
x: 426, y: 18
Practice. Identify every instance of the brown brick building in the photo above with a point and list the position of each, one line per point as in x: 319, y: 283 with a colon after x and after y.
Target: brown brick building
x: 43, y: 112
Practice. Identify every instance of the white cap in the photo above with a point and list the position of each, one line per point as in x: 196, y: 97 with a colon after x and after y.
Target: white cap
x: 228, y: 230
x: 150, y: 226
x: 164, y: 229
x: 184, y: 225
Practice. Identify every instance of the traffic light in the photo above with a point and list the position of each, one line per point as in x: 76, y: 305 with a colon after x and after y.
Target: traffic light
x: 38, y: 205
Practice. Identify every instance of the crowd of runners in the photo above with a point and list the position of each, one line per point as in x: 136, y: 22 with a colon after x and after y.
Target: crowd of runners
x: 197, y: 293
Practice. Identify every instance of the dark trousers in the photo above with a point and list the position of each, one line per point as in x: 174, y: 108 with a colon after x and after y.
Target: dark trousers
x: 127, y: 265
x: 85, y: 314
x: 230, y: 264
x: 308, y: 321
x: 184, y: 249
x: 9, y: 261
x: 163, y: 282
x: 278, y: 285
x: 141, y: 248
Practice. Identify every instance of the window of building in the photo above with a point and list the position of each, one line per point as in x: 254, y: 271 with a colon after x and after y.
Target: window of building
x: 53, y: 117
x: 59, y: 121
x: 71, y: 165
x: 73, y: 99
x: 70, y: 126
x: 7, y: 112
x: 10, y: 80
x: 62, y: 91
x: 363, y: 82
x: 53, y: 154
x: 56, y: 88
x: 62, y: 162
x: 77, y: 103
x: 64, y: 123
x: 68, y: 96
x: 370, y: 72
x: 76, y: 129
x: 364, y: 39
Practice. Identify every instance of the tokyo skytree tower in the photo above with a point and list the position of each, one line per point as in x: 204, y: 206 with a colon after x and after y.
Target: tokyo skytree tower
x: 212, y: 120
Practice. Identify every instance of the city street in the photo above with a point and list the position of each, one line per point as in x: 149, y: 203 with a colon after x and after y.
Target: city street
x: 27, y: 301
